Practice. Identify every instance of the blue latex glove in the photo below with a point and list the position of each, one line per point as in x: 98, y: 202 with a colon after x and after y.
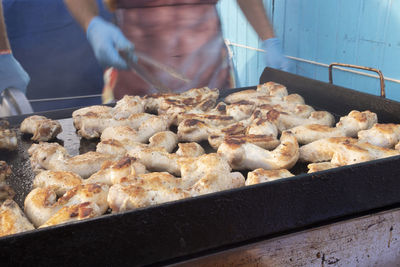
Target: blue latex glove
x: 106, y: 40
x: 12, y: 74
x: 274, y: 57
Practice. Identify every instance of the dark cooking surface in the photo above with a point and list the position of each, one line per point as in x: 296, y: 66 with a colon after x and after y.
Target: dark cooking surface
x: 196, y: 226
x: 22, y: 177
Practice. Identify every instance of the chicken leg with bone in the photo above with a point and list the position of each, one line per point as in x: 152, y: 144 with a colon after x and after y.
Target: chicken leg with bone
x: 243, y: 156
x: 142, y: 134
x: 127, y: 106
x: 266, y: 89
x: 113, y: 171
x: 12, y: 219
x: 124, y: 108
x: 41, y: 203
x: 42, y: 128
x: 145, y: 190
x: 123, y: 142
x: 60, y: 181
x: 92, y: 125
x: 342, y: 151
x: 349, y: 125
x: 383, y: 135
x: 54, y: 157
x: 284, y: 121
x: 207, y: 174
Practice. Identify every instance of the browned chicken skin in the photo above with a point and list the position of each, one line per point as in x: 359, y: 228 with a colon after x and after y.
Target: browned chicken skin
x: 42, y: 128
x: 6, y: 192
x: 12, y: 219
x: 41, y: 203
x: 8, y: 137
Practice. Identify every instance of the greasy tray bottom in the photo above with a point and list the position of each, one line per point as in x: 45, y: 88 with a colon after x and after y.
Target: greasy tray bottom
x: 22, y: 176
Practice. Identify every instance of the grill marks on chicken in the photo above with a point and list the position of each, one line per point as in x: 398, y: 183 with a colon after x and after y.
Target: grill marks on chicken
x: 43, y: 208
x: 202, y: 99
x: 253, y: 129
x: 194, y: 130
x: 256, y: 118
x: 42, y: 128
x: 8, y: 137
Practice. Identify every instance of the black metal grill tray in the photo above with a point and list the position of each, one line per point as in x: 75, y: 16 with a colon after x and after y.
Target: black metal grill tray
x: 179, y: 230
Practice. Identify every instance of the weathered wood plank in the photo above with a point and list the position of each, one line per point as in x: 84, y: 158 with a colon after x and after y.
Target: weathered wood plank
x: 372, y: 240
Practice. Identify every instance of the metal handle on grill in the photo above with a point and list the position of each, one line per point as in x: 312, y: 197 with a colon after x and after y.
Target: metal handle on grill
x: 381, y: 78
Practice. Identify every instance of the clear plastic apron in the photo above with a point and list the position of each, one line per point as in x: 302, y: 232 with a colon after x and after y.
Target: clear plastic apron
x: 185, y: 36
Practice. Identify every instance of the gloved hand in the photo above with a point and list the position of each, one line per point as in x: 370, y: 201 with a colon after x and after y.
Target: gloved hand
x: 106, y: 40
x: 274, y: 56
x: 12, y: 74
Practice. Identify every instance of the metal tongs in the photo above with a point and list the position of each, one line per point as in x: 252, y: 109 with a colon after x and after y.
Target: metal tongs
x: 14, y: 102
x: 132, y: 61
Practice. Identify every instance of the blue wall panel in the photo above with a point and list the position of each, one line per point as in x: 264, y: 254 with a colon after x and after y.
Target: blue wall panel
x: 363, y: 32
